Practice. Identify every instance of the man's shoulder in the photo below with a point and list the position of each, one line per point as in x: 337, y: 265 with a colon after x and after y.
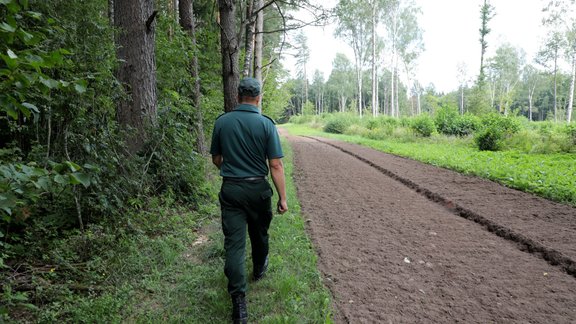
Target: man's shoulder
x: 270, y: 119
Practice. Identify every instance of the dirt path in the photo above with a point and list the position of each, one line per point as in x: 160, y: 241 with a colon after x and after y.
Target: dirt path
x: 404, y: 242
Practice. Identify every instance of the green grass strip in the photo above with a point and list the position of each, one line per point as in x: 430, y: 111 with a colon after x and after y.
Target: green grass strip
x: 552, y: 176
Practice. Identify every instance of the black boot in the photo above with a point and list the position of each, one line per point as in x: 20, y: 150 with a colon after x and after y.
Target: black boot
x: 260, y: 271
x: 239, y: 309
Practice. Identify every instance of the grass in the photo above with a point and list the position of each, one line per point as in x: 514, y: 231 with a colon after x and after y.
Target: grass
x: 169, y: 269
x: 552, y: 176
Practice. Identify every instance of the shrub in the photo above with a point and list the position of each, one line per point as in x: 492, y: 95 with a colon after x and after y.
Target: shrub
x: 465, y: 125
x: 336, y: 126
x: 489, y: 139
x: 507, y: 125
x: 571, y: 130
x: 495, y: 128
x: 423, y: 125
x: 445, y: 119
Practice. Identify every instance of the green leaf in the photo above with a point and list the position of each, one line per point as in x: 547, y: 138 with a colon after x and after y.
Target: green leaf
x: 61, y: 179
x: 43, y: 183
x: 25, y: 36
x: 79, y: 177
x: 5, y: 2
x: 80, y: 86
x: 73, y: 166
x: 11, y: 111
x: 50, y: 83
x: 11, y: 54
x: 32, y: 107
x: 7, y: 28
x: 34, y: 14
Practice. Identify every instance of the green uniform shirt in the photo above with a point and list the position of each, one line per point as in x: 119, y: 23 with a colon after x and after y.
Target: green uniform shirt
x: 245, y: 139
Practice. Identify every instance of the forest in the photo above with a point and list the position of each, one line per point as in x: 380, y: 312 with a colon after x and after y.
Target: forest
x: 106, y: 108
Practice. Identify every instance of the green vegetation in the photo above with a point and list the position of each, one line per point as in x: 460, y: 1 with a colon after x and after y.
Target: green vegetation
x: 96, y: 229
x: 537, y: 157
x: 166, y: 265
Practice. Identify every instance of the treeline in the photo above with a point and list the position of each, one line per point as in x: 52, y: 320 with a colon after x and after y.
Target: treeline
x: 506, y: 83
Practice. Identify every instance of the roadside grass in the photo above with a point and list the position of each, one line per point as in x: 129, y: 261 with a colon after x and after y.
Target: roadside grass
x: 169, y: 269
x: 552, y: 176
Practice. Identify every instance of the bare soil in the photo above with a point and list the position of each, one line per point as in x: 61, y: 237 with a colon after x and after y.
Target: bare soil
x: 404, y: 242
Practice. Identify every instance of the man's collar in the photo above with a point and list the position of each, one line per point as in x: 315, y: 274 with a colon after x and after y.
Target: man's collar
x: 247, y: 107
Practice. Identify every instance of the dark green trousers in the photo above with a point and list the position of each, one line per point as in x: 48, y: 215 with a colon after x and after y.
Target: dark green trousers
x: 244, y: 204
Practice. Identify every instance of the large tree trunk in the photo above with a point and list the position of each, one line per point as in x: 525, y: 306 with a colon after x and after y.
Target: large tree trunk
x: 230, y: 52
x: 187, y: 22
x: 137, y: 67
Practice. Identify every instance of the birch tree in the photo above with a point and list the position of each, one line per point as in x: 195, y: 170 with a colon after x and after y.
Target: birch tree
x: 561, y: 19
x: 506, y: 66
x: 548, y: 57
x: 410, y: 43
x: 353, y: 27
x: 462, y: 77
x: 341, y: 80
x: 531, y: 78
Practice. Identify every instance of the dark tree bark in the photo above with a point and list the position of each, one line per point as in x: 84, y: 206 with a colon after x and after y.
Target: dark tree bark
x: 230, y: 52
x: 187, y: 22
x: 134, y: 20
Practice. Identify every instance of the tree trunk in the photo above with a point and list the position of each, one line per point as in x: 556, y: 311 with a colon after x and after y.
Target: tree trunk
x: 229, y: 49
x: 555, y: 84
x: 187, y: 22
x: 571, y: 96
x: 530, y: 96
x: 259, y: 42
x: 249, y: 41
x: 392, y: 89
x: 137, y: 67
x: 374, y: 81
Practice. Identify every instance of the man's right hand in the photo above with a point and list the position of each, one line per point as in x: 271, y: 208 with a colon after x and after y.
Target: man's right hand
x: 282, y: 206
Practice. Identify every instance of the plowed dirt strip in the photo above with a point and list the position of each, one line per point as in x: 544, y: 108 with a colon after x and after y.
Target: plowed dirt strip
x: 551, y: 224
x: 391, y: 255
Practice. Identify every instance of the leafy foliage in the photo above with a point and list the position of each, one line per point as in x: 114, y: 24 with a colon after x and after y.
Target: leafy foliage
x: 423, y: 125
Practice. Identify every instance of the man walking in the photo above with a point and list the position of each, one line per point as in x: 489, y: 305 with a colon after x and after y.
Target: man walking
x: 245, y: 147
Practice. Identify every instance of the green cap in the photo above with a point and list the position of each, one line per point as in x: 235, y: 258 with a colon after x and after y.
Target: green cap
x: 249, y: 87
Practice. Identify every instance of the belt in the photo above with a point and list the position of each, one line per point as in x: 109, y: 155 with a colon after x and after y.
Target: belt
x: 246, y: 179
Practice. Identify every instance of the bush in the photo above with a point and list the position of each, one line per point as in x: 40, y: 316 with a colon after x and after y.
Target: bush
x: 507, y: 125
x: 465, y: 125
x: 445, y: 119
x: 423, y: 125
x: 571, y: 131
x: 495, y: 128
x: 489, y: 139
x: 336, y: 126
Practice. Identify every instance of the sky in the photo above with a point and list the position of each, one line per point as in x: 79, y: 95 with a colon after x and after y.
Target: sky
x: 451, y: 36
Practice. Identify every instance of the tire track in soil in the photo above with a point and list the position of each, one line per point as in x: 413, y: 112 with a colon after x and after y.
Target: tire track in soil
x: 555, y: 258
x: 389, y: 254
